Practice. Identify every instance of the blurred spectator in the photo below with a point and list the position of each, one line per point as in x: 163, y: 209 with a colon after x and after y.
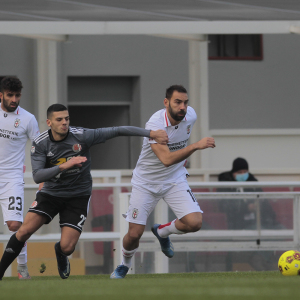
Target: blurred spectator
x: 241, y: 214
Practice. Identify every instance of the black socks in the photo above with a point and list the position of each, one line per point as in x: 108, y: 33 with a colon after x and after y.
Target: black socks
x: 58, y: 249
x: 12, y: 250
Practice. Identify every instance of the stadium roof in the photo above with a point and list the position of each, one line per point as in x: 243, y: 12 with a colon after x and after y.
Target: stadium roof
x: 39, y: 17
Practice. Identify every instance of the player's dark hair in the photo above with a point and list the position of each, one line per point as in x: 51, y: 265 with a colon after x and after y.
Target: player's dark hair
x: 11, y: 83
x: 55, y: 107
x: 176, y: 87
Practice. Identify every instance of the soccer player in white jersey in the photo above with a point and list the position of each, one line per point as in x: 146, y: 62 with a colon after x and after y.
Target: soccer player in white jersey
x: 160, y: 174
x: 16, y: 126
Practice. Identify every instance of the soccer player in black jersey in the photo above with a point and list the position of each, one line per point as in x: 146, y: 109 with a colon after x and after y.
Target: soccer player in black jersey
x: 60, y: 158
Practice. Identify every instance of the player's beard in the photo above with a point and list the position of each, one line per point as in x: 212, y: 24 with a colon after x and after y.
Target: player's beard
x: 60, y: 133
x: 63, y: 134
x: 175, y: 115
x: 7, y: 107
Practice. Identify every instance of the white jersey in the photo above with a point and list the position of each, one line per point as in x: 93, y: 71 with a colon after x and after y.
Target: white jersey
x: 149, y: 168
x: 15, y: 129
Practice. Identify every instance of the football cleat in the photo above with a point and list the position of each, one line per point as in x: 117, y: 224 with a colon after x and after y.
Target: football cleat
x: 120, y: 272
x: 23, y: 272
x: 63, y: 264
x: 165, y: 243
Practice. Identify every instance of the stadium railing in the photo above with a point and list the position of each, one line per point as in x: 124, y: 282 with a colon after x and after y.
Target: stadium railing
x: 225, y: 240
x: 204, y: 240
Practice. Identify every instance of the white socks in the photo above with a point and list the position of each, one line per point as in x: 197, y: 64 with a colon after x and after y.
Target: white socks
x: 127, y: 256
x: 165, y: 230
x: 22, y: 258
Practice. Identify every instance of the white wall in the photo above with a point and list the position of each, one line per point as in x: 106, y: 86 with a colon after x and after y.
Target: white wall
x: 261, y: 151
x: 257, y: 94
x: 17, y: 58
x: 243, y: 95
x: 254, y: 107
x: 159, y: 63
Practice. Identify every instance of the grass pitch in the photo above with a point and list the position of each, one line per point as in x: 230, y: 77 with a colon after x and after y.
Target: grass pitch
x: 225, y: 285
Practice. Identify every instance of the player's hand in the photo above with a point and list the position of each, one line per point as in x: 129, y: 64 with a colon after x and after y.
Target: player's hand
x: 206, y: 142
x: 160, y: 136
x: 76, y: 161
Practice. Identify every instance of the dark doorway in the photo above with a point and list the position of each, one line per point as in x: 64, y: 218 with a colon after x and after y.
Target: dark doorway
x: 114, y: 153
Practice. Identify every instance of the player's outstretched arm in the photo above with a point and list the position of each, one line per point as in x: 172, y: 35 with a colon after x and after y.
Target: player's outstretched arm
x: 169, y: 158
x: 100, y: 135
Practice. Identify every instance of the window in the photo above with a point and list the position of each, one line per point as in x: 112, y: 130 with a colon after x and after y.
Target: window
x: 235, y: 47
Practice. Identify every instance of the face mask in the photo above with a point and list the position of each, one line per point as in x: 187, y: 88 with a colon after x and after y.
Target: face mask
x: 242, y: 177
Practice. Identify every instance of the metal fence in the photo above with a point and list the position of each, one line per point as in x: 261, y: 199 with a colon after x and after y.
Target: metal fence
x: 207, y: 240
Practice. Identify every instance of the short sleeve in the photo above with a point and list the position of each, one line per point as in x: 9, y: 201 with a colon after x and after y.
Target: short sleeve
x: 192, y: 113
x: 38, y: 157
x: 33, y: 129
x: 154, y: 123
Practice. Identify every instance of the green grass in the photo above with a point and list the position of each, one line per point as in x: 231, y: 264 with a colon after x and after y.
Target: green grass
x: 227, y: 285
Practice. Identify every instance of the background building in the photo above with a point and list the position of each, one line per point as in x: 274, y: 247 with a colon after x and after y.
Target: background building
x: 112, y: 64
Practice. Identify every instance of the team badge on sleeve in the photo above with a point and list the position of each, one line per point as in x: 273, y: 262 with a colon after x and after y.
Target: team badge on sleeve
x: 17, y: 122
x: 135, y: 213
x: 32, y: 149
x: 76, y: 148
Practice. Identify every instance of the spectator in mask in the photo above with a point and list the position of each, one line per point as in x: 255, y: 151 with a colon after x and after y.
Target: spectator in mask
x: 241, y: 214
x: 239, y: 172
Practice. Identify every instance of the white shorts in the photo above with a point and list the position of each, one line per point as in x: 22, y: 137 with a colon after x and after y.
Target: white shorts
x: 12, y: 201
x: 143, y: 200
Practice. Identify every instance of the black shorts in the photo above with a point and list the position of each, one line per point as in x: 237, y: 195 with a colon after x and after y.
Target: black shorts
x: 72, y: 211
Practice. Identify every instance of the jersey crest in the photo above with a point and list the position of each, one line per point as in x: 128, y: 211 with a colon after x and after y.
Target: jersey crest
x: 188, y: 129
x: 135, y: 213
x: 76, y: 148
x: 17, y: 123
x: 34, y: 204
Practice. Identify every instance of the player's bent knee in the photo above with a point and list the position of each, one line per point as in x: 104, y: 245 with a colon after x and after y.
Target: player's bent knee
x: 135, y: 234
x: 13, y: 227
x: 67, y: 249
x: 196, y: 226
